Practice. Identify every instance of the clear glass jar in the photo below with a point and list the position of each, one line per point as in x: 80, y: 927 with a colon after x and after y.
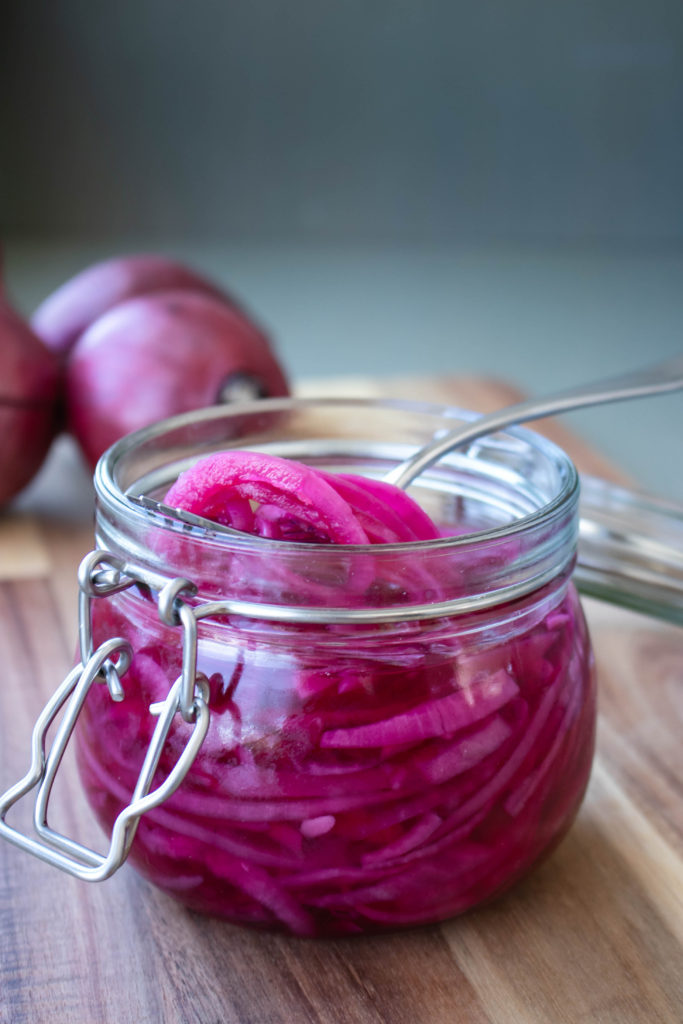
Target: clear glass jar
x: 397, y: 732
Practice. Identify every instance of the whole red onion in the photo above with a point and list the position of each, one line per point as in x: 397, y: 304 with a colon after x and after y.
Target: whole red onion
x: 68, y: 311
x: 157, y: 355
x: 29, y: 393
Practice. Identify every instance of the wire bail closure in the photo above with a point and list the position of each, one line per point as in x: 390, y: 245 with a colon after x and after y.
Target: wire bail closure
x: 101, y: 574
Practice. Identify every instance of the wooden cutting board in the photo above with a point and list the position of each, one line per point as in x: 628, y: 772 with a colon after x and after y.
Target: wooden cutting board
x: 594, y: 935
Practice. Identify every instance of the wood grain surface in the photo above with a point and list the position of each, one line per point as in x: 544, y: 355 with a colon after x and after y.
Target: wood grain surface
x: 594, y: 935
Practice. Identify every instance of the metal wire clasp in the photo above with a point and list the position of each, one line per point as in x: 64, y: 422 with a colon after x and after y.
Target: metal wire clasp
x: 101, y: 574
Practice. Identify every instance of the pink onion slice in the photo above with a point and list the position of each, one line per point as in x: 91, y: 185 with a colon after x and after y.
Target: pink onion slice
x: 288, y: 501
x: 391, y: 505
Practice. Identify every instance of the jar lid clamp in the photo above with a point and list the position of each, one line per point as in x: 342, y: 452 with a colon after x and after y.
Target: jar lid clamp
x: 101, y: 574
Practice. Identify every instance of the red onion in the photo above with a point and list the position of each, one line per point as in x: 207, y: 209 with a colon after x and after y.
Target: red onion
x: 29, y: 388
x: 66, y: 313
x: 156, y: 355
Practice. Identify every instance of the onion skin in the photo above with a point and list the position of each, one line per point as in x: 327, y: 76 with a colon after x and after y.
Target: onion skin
x: 63, y: 316
x: 157, y: 355
x: 29, y: 402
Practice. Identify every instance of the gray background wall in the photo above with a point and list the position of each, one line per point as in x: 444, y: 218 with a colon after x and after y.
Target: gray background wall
x: 433, y: 120
x: 394, y: 187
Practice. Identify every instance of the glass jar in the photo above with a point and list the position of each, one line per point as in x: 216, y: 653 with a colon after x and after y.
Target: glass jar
x: 396, y: 733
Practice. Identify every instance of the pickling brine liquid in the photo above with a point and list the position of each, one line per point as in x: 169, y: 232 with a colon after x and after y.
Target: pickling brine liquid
x: 354, y: 777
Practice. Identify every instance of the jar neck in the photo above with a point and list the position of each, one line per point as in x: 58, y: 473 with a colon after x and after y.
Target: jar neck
x: 508, y: 512
x: 324, y: 583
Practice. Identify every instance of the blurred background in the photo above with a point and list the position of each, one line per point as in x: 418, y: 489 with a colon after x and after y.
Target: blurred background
x: 391, y: 187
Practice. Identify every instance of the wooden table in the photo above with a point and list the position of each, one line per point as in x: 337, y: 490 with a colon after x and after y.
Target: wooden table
x: 594, y: 935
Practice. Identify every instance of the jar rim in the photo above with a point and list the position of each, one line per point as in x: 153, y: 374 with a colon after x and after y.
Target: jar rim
x: 519, y: 462
x: 109, y: 491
